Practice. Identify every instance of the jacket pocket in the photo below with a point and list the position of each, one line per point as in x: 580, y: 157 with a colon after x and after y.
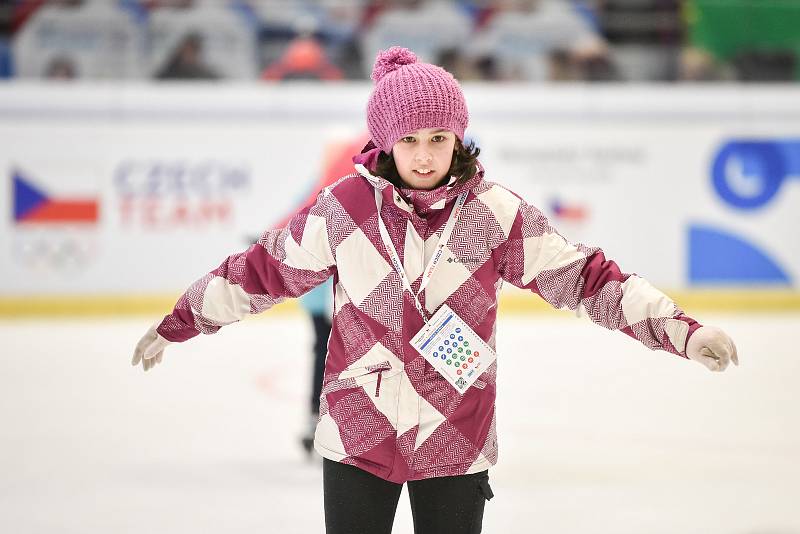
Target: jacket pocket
x: 366, y: 371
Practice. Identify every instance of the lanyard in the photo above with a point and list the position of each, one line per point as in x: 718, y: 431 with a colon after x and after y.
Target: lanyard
x: 437, y: 255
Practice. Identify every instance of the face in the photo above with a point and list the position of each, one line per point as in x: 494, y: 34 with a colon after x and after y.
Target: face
x: 423, y: 157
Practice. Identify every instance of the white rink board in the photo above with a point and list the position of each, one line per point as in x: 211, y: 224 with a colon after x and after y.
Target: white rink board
x: 184, y: 174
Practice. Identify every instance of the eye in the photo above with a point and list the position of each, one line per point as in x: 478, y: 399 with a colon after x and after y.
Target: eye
x: 407, y: 139
x: 438, y: 138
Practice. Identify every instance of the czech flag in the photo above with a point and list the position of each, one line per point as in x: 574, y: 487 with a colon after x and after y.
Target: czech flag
x: 570, y: 212
x: 34, y: 206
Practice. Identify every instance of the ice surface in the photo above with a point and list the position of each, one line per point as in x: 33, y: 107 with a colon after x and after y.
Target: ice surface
x: 597, y: 434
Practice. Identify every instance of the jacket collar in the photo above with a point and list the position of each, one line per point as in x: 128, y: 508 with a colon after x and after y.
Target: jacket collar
x: 420, y: 201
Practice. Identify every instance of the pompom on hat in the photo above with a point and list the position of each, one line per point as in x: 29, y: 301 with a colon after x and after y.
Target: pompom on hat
x: 409, y: 95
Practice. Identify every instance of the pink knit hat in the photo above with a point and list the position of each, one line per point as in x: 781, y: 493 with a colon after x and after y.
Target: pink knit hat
x: 409, y: 95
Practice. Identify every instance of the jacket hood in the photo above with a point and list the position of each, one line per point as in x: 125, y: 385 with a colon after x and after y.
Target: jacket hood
x: 423, y: 201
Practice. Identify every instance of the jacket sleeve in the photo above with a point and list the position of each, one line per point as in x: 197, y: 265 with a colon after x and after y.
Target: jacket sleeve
x: 284, y: 262
x: 580, y: 278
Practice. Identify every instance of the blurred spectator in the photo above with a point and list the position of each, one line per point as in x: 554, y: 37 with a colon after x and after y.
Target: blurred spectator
x: 175, y: 4
x: 645, y: 36
x: 530, y: 40
x: 61, y: 68
x: 6, y: 24
x: 6, y: 19
x: 458, y: 64
x: 487, y: 68
x: 186, y: 62
x: 542, y: 40
x: 697, y: 65
x: 222, y: 42
x: 6, y: 69
x: 590, y: 62
x: 102, y: 40
x: 340, y: 28
x: 647, y: 22
x: 333, y: 24
x: 304, y: 59
x: 753, y: 65
x: 428, y: 28
x: 23, y: 11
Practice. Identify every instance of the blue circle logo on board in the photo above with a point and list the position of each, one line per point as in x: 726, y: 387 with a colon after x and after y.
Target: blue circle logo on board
x: 748, y: 173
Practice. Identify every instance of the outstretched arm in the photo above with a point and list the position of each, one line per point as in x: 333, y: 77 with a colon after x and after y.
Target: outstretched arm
x: 580, y: 278
x: 285, y: 262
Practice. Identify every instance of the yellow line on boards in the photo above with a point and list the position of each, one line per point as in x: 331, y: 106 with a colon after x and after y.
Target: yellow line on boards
x: 511, y: 302
x: 96, y: 306
x: 747, y: 301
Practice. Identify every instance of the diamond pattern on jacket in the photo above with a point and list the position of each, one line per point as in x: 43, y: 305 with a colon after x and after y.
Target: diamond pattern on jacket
x: 297, y: 225
x: 273, y: 243
x: 315, y: 239
x: 356, y: 337
x: 650, y: 332
x: 259, y: 303
x: 385, y: 303
x: 413, y: 253
x: 338, y: 223
x: 534, y: 222
x: 562, y: 287
x: 195, y: 295
x: 490, y: 375
x: 405, y: 445
x: 676, y: 331
x: 548, y: 252
x: 224, y: 302
x: 640, y: 300
x: 513, y: 263
x: 361, y: 268
x: 445, y: 280
x: 475, y: 220
x: 361, y: 425
x: 323, y: 406
x: 429, y: 420
x: 438, y: 392
x: 605, y: 308
x: 233, y: 269
x: 394, y: 341
x: 489, y: 450
x: 446, y: 446
x: 172, y: 323
x: 471, y: 301
x: 503, y: 205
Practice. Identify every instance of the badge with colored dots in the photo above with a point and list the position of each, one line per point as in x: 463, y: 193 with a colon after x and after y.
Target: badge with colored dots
x: 453, y: 348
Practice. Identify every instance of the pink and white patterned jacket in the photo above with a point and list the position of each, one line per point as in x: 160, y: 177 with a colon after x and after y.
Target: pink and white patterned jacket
x: 383, y: 407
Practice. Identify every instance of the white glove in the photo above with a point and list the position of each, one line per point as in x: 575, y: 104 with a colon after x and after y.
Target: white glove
x: 711, y: 347
x: 150, y: 349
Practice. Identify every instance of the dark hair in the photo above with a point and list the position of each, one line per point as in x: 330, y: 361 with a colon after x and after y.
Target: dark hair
x: 464, y: 164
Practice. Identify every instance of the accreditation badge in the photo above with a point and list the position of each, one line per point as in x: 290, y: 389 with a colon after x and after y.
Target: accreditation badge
x: 453, y: 348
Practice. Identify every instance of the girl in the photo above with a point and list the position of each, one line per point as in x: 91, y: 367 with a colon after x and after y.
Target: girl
x: 418, y: 243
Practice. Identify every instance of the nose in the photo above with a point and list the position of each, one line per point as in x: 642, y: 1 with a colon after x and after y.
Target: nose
x: 423, y: 157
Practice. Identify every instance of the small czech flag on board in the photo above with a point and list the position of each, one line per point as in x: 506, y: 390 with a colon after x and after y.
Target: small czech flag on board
x: 34, y: 206
x: 569, y: 212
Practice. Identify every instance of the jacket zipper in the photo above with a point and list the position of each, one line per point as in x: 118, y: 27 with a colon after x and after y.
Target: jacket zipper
x: 378, y: 386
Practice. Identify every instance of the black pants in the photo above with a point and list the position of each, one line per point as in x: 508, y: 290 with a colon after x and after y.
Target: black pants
x: 322, y: 331
x: 357, y: 502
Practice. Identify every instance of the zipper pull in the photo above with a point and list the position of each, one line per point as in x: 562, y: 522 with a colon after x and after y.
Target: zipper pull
x: 378, y: 386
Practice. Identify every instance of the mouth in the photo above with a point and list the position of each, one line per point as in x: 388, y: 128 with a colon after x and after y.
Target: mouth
x: 424, y: 173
